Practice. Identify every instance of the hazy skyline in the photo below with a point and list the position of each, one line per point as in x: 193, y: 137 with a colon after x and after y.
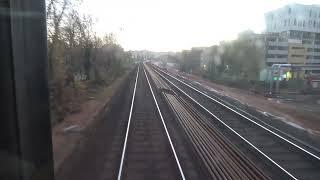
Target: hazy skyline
x: 173, y: 25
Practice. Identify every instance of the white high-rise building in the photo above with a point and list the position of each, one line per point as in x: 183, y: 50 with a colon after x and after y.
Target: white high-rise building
x: 295, y: 17
x: 293, y: 35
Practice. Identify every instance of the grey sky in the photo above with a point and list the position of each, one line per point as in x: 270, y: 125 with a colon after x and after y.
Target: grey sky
x: 173, y: 25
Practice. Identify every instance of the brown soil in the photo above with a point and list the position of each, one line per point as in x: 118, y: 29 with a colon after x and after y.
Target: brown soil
x: 71, y: 131
x: 297, y: 114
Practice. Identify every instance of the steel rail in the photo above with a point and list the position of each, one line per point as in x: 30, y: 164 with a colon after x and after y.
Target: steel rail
x: 217, y: 118
x: 210, y: 145
x: 128, y: 127
x: 166, y: 130
x: 238, y: 113
x: 261, y: 121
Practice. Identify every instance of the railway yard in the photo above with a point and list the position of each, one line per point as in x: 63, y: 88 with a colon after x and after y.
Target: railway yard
x: 162, y: 126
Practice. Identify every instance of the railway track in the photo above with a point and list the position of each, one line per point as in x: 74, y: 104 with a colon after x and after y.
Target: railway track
x: 148, y: 152
x: 291, y: 159
x: 221, y: 159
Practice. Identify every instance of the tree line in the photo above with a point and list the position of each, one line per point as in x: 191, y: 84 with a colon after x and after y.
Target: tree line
x: 240, y: 59
x: 77, y: 57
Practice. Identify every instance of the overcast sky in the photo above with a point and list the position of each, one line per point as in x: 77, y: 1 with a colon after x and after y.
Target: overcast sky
x: 173, y: 25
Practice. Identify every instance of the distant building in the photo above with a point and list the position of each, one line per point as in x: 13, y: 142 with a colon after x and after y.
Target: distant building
x: 293, y: 35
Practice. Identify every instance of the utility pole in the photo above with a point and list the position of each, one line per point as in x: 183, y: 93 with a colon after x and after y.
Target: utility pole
x: 25, y: 128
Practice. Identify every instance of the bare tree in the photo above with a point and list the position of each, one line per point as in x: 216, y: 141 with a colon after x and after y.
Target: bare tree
x: 56, y: 11
x: 75, y: 49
